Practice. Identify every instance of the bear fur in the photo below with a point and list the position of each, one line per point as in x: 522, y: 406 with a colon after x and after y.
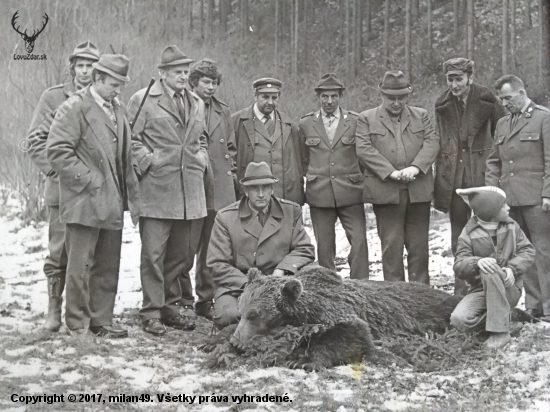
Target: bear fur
x: 352, y: 313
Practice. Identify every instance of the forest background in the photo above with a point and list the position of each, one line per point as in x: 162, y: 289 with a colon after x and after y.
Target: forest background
x: 296, y: 41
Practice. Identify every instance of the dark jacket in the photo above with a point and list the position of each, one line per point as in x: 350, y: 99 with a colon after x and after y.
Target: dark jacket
x: 80, y: 150
x: 513, y: 250
x: 520, y: 160
x: 239, y: 242
x: 38, y: 135
x: 480, y: 118
x: 293, y: 177
x: 377, y: 152
x: 172, y: 183
x: 219, y: 180
x: 333, y: 178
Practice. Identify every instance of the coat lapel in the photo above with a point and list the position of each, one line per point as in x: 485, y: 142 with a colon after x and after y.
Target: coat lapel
x: 215, y: 116
x: 522, y: 121
x: 273, y: 222
x: 253, y: 227
x: 343, y: 126
x: 405, y: 118
x: 248, y: 123
x: 385, y: 119
x: 167, y: 103
x: 320, y: 128
x: 286, y: 123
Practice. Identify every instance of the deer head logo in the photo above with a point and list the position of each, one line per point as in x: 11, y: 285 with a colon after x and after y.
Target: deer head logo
x: 29, y: 40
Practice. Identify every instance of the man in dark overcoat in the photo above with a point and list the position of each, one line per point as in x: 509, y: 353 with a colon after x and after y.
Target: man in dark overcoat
x: 265, y: 134
x: 397, y: 145
x: 520, y: 165
x: 55, y: 264
x: 259, y: 231
x: 466, y: 115
x: 334, y: 181
x: 169, y: 148
x: 89, y: 147
x: 204, y: 79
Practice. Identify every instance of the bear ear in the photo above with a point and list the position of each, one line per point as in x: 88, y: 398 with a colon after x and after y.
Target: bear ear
x: 253, y: 274
x: 292, y: 290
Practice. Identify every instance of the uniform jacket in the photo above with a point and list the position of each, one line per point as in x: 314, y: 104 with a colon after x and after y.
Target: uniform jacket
x: 239, y: 243
x: 480, y: 118
x: 172, y: 183
x: 377, y: 151
x: 243, y: 122
x: 513, y: 250
x: 220, y: 175
x: 519, y: 162
x: 333, y: 178
x: 38, y: 134
x: 80, y: 150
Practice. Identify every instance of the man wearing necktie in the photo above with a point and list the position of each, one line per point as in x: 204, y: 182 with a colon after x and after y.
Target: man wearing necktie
x: 55, y: 264
x: 169, y: 147
x: 519, y: 164
x: 259, y: 231
x: 397, y: 145
x: 91, y: 153
x: 466, y: 115
x: 265, y: 134
x: 334, y: 180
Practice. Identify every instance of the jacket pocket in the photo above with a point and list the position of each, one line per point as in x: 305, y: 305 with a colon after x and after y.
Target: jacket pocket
x: 377, y: 131
x: 313, y: 141
x: 309, y: 177
x: 348, y: 140
x: 529, y: 137
x: 499, y: 139
x: 356, y: 177
x: 417, y: 128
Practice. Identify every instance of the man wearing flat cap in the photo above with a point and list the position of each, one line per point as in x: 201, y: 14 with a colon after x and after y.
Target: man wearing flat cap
x: 466, y: 115
x: 265, y: 134
x: 89, y: 147
x: 55, y: 264
x: 260, y: 231
x: 519, y: 164
x: 169, y: 148
x: 397, y: 145
x: 334, y: 181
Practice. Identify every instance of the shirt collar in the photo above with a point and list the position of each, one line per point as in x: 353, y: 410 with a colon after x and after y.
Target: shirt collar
x: 171, y: 92
x: 336, y: 114
x: 260, y: 115
x: 254, y: 212
x: 524, y: 108
x: 100, y: 100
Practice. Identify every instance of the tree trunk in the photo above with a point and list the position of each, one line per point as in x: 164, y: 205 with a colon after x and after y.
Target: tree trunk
x: 512, y: 63
x: 387, y: 32
x: 305, y: 43
x: 455, y: 18
x: 368, y: 14
x: 544, y: 52
x: 276, y: 47
x: 359, y: 25
x: 429, y: 18
x: 347, y: 39
x: 210, y: 22
x: 190, y: 18
x: 224, y: 13
x: 202, y: 22
x: 528, y: 20
x: 415, y: 6
x: 295, y: 46
x: 408, y: 62
x: 504, y: 36
x: 471, y: 29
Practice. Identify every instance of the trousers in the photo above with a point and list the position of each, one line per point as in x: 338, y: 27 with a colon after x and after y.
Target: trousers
x: 55, y: 263
x: 459, y: 214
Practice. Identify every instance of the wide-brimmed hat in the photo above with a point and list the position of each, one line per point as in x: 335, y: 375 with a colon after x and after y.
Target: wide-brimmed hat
x: 115, y: 65
x: 86, y: 50
x: 458, y: 66
x: 258, y: 174
x: 394, y: 83
x: 485, y: 201
x: 329, y: 81
x: 173, y: 56
x: 267, y: 84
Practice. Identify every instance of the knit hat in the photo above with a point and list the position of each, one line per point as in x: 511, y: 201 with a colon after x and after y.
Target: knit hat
x: 485, y: 201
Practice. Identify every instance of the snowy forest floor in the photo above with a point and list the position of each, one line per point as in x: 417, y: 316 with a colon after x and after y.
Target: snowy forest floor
x: 34, y: 362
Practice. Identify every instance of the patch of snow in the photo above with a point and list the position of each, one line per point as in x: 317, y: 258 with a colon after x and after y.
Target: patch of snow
x: 186, y: 384
x: 19, y: 351
x: 65, y: 351
x: 71, y: 377
x: 341, y: 395
x: 395, y: 405
x: 264, y: 373
x: 34, y: 388
x: 94, y: 361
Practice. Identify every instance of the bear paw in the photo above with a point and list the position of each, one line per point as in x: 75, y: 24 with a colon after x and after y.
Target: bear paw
x: 306, y: 365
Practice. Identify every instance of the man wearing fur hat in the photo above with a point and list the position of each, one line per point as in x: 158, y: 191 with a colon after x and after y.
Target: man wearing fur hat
x: 520, y: 165
x: 397, y: 145
x: 89, y: 147
x: 55, y: 265
x: 260, y: 231
x: 169, y: 147
x: 204, y: 79
x: 492, y: 255
x: 466, y: 115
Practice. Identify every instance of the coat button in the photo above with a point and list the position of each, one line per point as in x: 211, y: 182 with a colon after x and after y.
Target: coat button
x: 100, y: 160
x: 254, y: 254
x: 229, y: 173
x: 227, y: 156
x: 177, y: 125
x: 222, y: 140
x: 332, y: 164
x: 511, y: 174
x: 293, y: 266
x: 463, y: 150
x: 332, y: 177
x: 511, y: 161
x: 78, y: 175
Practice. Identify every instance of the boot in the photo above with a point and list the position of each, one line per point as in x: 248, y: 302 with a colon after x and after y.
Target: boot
x: 497, y: 340
x: 55, y: 300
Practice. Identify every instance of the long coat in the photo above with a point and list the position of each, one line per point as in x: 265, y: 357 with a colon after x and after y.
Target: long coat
x: 172, y: 183
x: 333, y: 178
x: 480, y: 118
x: 520, y: 160
x: 80, y: 150
x: 243, y: 122
x: 377, y: 151
x: 39, y: 130
x: 219, y: 180
x: 239, y: 243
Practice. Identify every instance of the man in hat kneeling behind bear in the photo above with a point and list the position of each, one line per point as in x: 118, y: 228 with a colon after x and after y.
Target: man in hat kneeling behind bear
x: 259, y: 231
x: 492, y: 255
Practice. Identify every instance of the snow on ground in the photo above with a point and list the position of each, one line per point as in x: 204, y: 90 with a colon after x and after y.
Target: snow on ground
x: 33, y: 362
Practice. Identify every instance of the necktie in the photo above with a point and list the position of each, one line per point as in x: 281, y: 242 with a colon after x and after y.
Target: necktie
x: 179, y: 104
x: 514, y: 120
x: 330, y: 118
x: 261, y: 218
x: 269, y: 125
x: 110, y: 112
